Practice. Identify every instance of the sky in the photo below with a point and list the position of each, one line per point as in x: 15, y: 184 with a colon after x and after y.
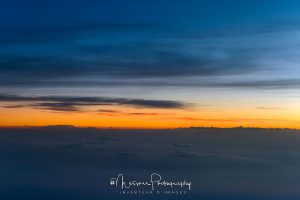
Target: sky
x: 150, y: 64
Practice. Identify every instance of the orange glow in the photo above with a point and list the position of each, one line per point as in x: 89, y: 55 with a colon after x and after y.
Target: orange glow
x: 123, y: 117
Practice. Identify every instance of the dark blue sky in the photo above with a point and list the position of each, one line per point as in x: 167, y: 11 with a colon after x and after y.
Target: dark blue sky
x: 70, y: 39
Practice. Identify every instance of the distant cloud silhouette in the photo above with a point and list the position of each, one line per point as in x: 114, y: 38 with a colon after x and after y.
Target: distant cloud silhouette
x: 109, y: 112
x: 13, y: 106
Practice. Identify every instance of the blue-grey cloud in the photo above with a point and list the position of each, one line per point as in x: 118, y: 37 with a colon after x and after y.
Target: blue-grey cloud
x: 272, y: 84
x: 147, y: 61
x: 133, y: 61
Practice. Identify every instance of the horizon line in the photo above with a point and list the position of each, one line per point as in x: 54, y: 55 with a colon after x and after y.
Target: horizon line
x: 144, y: 128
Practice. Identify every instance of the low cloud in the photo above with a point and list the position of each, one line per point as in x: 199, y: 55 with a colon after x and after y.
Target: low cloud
x: 76, y: 103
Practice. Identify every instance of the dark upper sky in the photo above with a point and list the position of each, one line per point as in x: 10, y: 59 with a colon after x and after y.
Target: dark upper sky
x: 72, y: 40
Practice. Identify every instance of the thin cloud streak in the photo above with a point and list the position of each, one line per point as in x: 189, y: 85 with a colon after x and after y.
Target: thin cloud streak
x: 272, y: 84
x: 234, y: 119
x: 270, y: 108
x: 108, y: 112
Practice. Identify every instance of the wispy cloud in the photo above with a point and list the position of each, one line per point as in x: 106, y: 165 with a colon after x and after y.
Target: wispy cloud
x: 109, y: 112
x: 270, y: 108
x: 232, y: 119
x: 134, y: 55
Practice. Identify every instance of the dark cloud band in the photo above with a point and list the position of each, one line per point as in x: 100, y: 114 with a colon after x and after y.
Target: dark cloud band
x: 75, y: 103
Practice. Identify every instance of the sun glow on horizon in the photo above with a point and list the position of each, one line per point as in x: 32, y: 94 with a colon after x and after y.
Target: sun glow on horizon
x: 125, y: 117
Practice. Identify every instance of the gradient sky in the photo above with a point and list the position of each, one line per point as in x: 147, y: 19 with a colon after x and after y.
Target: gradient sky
x: 150, y: 64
